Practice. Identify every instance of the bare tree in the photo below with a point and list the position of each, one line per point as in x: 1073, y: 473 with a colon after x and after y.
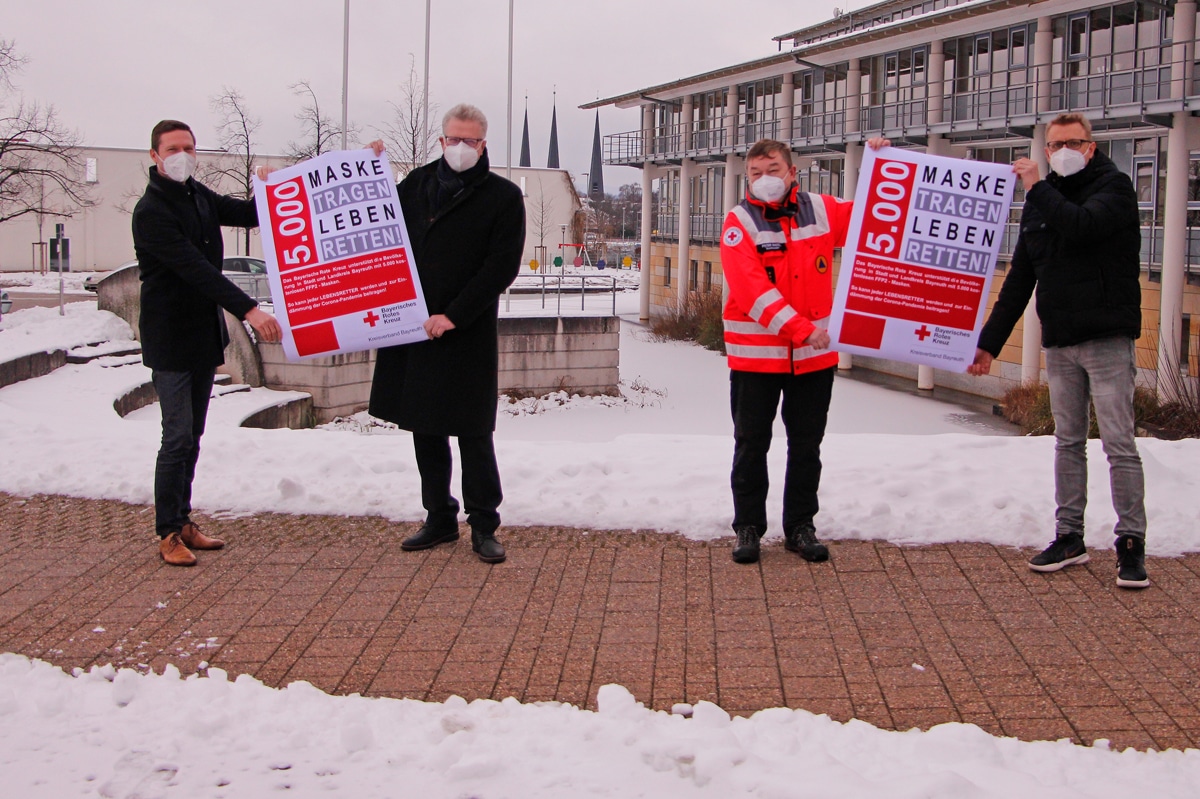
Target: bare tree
x: 319, y: 133
x: 42, y: 170
x: 235, y: 140
x: 541, y: 214
x: 409, y: 136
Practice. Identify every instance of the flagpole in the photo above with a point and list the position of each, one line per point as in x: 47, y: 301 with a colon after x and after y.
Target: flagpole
x: 345, y: 71
x: 425, y: 93
x: 508, y: 135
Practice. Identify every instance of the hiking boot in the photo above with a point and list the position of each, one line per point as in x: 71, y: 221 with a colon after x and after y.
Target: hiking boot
x: 429, y: 536
x: 803, y: 539
x: 1131, y: 562
x: 194, y: 539
x: 487, y: 547
x: 746, y: 548
x: 174, y: 552
x: 1065, y: 550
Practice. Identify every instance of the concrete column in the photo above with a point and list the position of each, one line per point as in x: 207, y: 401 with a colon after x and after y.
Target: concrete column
x: 647, y: 229
x: 731, y: 116
x: 647, y: 131
x: 935, y: 99
x: 787, y: 107
x: 687, y: 123
x: 1174, y: 255
x: 853, y: 96
x: 1170, y: 321
x: 734, y: 166
x: 1043, y: 52
x: 685, y: 229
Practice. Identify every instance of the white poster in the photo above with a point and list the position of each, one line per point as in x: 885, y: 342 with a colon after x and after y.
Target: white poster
x: 919, y: 257
x: 341, y: 273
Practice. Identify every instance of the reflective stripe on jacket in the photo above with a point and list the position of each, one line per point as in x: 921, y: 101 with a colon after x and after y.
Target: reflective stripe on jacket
x: 779, y: 280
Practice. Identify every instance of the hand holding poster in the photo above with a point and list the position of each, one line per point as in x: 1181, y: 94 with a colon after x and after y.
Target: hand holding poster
x: 341, y: 273
x: 919, y: 257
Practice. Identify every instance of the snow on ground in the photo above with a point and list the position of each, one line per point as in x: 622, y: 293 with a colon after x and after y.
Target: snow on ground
x: 122, y: 734
x: 897, y: 467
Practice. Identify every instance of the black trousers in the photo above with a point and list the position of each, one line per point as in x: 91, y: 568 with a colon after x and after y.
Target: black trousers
x: 480, y: 481
x: 183, y: 398
x: 754, y: 400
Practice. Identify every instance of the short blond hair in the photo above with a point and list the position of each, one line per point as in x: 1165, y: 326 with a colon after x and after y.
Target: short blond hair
x: 1063, y: 120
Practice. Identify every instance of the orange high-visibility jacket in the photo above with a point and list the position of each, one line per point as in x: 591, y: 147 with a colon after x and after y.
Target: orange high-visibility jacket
x: 780, y: 287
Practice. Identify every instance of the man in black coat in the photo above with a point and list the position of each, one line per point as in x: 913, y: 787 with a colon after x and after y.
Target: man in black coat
x: 1079, y: 246
x: 177, y: 240
x: 466, y: 231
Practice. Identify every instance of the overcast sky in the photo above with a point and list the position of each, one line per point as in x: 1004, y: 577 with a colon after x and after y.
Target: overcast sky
x: 114, y: 68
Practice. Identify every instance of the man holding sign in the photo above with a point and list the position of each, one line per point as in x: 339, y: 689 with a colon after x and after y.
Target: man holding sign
x: 467, y: 231
x: 1080, y: 248
x: 776, y: 252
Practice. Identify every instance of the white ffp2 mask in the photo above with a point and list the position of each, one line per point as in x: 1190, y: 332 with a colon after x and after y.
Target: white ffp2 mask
x: 769, y: 188
x: 461, y: 157
x: 180, y: 166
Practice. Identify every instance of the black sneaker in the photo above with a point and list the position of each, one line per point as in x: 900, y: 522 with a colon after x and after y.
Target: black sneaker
x: 1066, y: 550
x: 746, y: 548
x: 803, y: 539
x: 1131, y: 562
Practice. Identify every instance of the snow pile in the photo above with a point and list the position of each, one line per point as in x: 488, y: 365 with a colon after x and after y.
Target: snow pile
x: 123, y: 734
x: 44, y: 329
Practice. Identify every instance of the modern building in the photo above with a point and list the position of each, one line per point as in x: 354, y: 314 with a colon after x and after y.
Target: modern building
x: 973, y: 79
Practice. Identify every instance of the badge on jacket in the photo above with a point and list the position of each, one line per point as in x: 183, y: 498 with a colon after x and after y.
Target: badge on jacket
x: 822, y: 264
x: 732, y: 237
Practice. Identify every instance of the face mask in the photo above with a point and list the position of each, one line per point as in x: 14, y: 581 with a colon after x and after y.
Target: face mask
x: 1067, y: 162
x: 461, y: 157
x: 179, y: 167
x: 769, y: 188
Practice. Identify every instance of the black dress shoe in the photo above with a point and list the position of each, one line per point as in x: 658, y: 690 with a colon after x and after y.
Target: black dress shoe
x: 429, y: 536
x: 487, y: 547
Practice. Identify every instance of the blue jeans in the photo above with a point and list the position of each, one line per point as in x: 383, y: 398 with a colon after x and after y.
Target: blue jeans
x: 754, y: 401
x: 1105, y: 369
x: 183, y: 398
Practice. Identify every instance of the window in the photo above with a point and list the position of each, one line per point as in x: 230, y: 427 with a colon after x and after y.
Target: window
x: 694, y: 275
x: 666, y: 271
x: 708, y: 276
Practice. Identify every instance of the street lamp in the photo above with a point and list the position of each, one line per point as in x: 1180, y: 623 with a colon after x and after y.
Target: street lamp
x: 562, y: 263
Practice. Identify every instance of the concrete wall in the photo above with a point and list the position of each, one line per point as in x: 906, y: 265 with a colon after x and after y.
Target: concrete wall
x: 577, y: 354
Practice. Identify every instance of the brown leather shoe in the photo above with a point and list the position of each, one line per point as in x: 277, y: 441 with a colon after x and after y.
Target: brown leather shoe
x: 194, y: 539
x: 174, y: 552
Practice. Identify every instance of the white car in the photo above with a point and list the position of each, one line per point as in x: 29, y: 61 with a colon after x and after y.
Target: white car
x: 248, y: 274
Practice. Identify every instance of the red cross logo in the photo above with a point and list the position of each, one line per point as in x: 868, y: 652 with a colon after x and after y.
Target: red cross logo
x: 923, y: 333
x: 371, y: 318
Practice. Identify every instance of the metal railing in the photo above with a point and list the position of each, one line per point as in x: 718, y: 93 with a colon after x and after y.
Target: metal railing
x: 537, y: 284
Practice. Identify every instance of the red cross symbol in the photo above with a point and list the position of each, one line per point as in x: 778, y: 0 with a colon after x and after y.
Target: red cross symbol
x: 371, y: 318
x: 923, y: 333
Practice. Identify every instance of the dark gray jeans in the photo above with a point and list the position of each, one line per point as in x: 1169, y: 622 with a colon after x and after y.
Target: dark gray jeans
x: 183, y: 398
x: 1105, y: 370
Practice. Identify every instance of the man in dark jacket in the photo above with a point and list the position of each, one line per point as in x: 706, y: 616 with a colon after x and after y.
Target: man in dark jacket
x: 177, y: 239
x: 1080, y: 246
x: 466, y: 230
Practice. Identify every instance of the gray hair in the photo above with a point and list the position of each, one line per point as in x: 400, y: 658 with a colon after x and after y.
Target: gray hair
x: 465, y: 112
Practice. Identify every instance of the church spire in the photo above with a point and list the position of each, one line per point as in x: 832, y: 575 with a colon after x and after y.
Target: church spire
x: 552, y: 158
x: 525, y: 161
x: 595, y: 188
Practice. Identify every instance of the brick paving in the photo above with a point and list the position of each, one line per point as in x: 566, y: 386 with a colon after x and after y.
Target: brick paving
x: 899, y: 637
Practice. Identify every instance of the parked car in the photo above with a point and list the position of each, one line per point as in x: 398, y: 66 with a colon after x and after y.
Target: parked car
x: 5, y: 302
x: 248, y: 274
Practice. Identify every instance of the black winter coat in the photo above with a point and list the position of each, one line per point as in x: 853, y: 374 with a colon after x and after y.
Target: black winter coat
x: 177, y: 240
x: 467, y: 254
x: 1080, y: 245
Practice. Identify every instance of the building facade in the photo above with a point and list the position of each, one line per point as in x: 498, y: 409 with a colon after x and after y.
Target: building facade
x: 101, y: 239
x: 974, y: 79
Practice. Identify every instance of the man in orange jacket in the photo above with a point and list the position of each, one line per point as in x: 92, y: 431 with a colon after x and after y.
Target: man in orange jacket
x: 776, y: 253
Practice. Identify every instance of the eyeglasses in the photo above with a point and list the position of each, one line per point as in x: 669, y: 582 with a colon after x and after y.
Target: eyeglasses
x: 1074, y: 144
x: 453, y: 140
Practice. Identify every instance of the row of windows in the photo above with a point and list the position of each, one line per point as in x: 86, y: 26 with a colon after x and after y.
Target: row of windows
x: 1124, y: 48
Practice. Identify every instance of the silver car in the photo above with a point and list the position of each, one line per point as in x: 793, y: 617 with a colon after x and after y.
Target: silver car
x: 5, y: 302
x: 250, y: 275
